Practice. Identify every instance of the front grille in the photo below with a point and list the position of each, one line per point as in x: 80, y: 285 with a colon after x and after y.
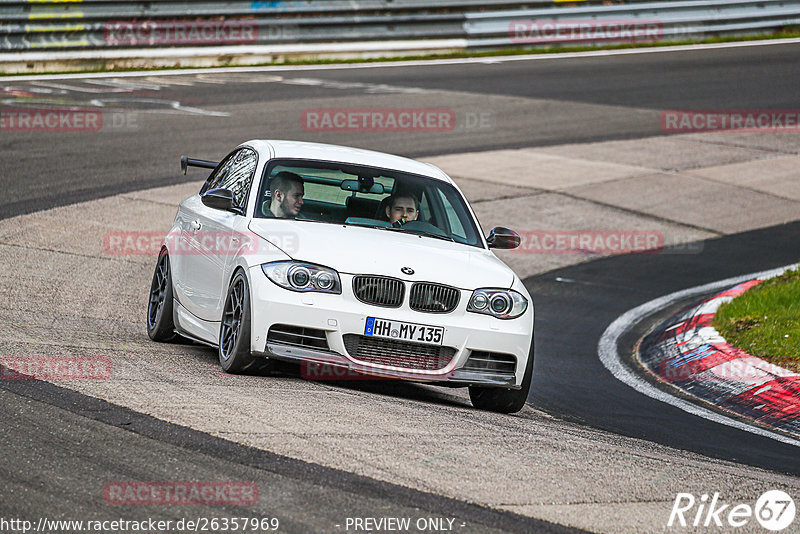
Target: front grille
x: 398, y: 353
x: 433, y: 298
x: 379, y: 290
x: 491, y: 362
x: 298, y: 336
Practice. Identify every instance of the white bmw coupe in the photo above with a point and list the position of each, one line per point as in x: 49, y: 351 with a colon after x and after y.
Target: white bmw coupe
x: 367, y: 264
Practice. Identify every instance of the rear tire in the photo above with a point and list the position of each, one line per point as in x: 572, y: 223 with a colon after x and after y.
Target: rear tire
x: 160, y: 326
x: 234, y: 332
x: 503, y: 400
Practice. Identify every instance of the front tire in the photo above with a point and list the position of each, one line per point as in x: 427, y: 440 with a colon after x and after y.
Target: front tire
x: 504, y: 400
x: 160, y: 326
x: 234, y: 331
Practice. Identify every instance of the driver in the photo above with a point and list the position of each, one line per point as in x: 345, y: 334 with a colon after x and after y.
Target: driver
x: 402, y: 208
x: 286, y: 192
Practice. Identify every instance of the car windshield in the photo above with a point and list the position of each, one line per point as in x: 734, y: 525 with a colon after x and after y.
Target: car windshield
x: 360, y: 195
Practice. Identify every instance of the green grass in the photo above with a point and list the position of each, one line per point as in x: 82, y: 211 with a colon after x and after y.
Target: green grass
x: 765, y: 320
x: 787, y: 33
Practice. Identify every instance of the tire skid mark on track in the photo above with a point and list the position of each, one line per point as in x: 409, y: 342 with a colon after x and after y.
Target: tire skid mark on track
x: 192, y: 440
x: 146, y: 96
x: 536, y: 464
x: 609, y: 355
x: 481, y: 458
x: 687, y: 352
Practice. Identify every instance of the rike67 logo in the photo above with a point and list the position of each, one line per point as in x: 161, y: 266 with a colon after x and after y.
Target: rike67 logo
x: 774, y: 510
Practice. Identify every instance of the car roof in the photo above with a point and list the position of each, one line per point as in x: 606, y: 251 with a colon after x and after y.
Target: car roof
x: 345, y: 154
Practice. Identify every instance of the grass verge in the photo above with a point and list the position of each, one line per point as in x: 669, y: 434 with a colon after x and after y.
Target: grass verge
x: 765, y: 320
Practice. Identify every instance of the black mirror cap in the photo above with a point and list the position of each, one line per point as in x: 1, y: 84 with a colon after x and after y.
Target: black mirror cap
x: 219, y: 199
x: 501, y: 237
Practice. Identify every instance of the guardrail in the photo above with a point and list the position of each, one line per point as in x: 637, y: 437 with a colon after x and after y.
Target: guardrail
x: 61, y: 28
x: 668, y: 20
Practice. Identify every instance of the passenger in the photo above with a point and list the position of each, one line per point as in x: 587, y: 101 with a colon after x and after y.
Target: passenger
x: 286, y: 192
x: 402, y: 208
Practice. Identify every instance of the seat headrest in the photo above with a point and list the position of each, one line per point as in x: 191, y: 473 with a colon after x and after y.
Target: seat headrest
x: 360, y: 206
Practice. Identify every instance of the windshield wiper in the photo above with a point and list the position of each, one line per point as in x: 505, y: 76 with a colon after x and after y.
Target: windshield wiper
x: 367, y: 225
x: 421, y: 232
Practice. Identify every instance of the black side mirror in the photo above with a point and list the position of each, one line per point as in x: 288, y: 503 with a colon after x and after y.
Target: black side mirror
x: 501, y: 237
x: 219, y: 199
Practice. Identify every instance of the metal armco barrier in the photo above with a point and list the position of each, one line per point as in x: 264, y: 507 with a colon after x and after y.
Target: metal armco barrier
x: 59, y: 27
x: 673, y: 20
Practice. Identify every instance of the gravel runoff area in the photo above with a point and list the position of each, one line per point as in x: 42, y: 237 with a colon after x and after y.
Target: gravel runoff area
x: 68, y: 296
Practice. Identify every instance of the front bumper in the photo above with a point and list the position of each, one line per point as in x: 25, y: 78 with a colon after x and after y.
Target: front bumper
x: 338, y: 315
x: 328, y: 365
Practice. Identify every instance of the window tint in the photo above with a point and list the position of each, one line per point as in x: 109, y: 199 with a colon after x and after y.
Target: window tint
x: 218, y: 175
x: 239, y: 175
x: 236, y: 174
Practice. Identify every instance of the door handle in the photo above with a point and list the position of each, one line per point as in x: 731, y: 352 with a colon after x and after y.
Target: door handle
x: 195, y: 226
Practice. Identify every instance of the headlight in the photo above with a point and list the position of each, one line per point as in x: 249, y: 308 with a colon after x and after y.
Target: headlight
x: 500, y: 303
x: 299, y: 276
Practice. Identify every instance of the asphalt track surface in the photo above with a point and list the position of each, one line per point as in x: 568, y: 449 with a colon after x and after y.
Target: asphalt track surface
x: 576, y: 304
x: 58, y: 431
x: 63, y: 439
x: 47, y: 170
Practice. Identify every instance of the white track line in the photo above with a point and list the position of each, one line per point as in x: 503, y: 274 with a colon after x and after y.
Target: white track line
x: 417, y: 63
x: 609, y: 355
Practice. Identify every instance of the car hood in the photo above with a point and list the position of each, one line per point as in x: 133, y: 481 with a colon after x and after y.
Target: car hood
x: 359, y: 250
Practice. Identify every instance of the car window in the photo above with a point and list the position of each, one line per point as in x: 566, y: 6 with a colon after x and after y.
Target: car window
x: 426, y: 212
x: 217, y: 175
x: 239, y: 175
x: 359, y: 195
x: 456, y: 227
x: 235, y: 173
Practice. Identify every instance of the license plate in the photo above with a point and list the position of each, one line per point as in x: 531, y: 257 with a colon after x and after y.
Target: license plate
x: 401, y: 331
